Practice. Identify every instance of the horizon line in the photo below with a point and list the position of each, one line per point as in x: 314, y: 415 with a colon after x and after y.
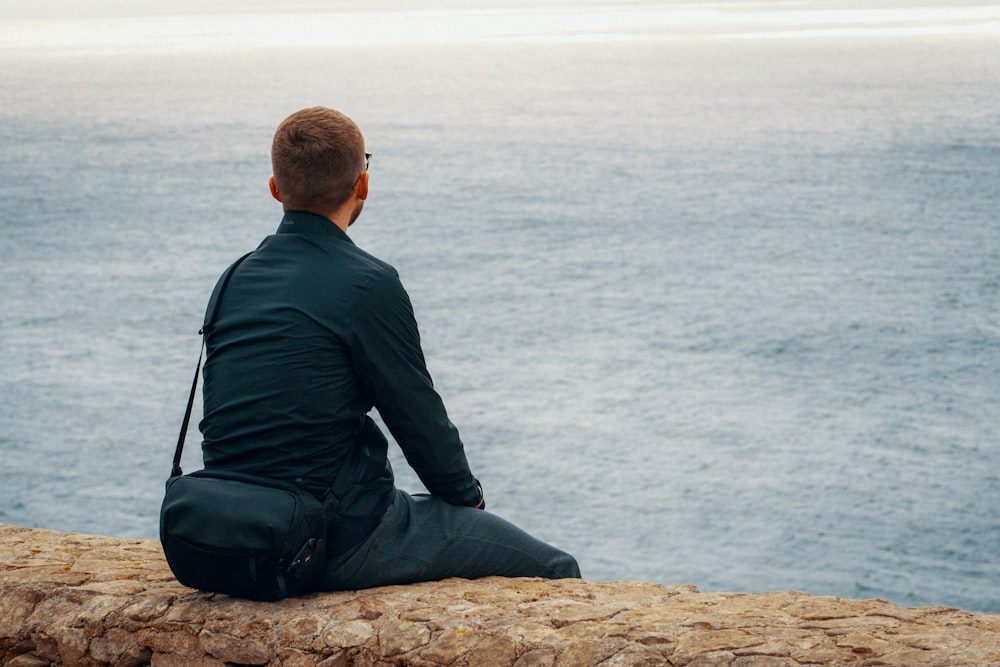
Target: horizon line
x: 200, y: 32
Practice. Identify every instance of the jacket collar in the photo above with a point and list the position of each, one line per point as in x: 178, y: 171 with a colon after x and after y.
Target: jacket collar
x: 304, y: 222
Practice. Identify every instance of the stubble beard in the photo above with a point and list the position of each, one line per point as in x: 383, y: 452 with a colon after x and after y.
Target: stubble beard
x: 355, y: 213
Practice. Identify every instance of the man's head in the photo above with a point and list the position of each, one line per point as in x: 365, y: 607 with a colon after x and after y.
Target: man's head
x: 318, y: 158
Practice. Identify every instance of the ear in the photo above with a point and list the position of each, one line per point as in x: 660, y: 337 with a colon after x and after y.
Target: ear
x: 274, y: 188
x: 362, y: 191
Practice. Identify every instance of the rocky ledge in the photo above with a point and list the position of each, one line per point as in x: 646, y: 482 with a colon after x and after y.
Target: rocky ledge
x: 74, y: 599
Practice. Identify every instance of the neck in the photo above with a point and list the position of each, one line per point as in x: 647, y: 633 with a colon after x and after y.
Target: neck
x: 341, y: 221
x: 344, y: 216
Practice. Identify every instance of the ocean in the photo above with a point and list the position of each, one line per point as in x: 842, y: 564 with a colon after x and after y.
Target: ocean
x: 713, y: 298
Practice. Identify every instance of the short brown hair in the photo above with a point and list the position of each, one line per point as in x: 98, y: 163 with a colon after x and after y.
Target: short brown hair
x: 317, y: 156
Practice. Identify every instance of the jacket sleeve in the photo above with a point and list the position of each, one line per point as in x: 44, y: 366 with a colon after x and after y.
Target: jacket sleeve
x: 390, y: 364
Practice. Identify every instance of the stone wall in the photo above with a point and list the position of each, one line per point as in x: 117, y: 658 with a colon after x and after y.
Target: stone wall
x: 73, y: 599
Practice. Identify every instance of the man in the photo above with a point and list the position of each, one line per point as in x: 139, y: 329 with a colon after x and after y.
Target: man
x: 311, y: 333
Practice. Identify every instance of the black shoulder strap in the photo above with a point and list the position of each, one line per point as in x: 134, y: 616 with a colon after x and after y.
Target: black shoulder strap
x: 213, y: 310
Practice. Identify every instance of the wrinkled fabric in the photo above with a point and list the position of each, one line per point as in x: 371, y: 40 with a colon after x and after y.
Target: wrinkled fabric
x: 422, y: 538
x: 312, y: 332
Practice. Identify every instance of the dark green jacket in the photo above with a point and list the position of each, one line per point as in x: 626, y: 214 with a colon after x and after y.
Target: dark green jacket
x: 312, y: 332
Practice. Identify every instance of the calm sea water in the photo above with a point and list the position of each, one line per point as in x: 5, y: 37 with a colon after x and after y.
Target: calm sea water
x: 721, y: 312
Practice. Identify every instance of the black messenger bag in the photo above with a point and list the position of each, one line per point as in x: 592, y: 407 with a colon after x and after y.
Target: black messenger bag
x: 246, y: 536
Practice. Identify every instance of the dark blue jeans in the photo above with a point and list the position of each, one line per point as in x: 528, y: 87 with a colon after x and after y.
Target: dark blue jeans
x: 423, y: 538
